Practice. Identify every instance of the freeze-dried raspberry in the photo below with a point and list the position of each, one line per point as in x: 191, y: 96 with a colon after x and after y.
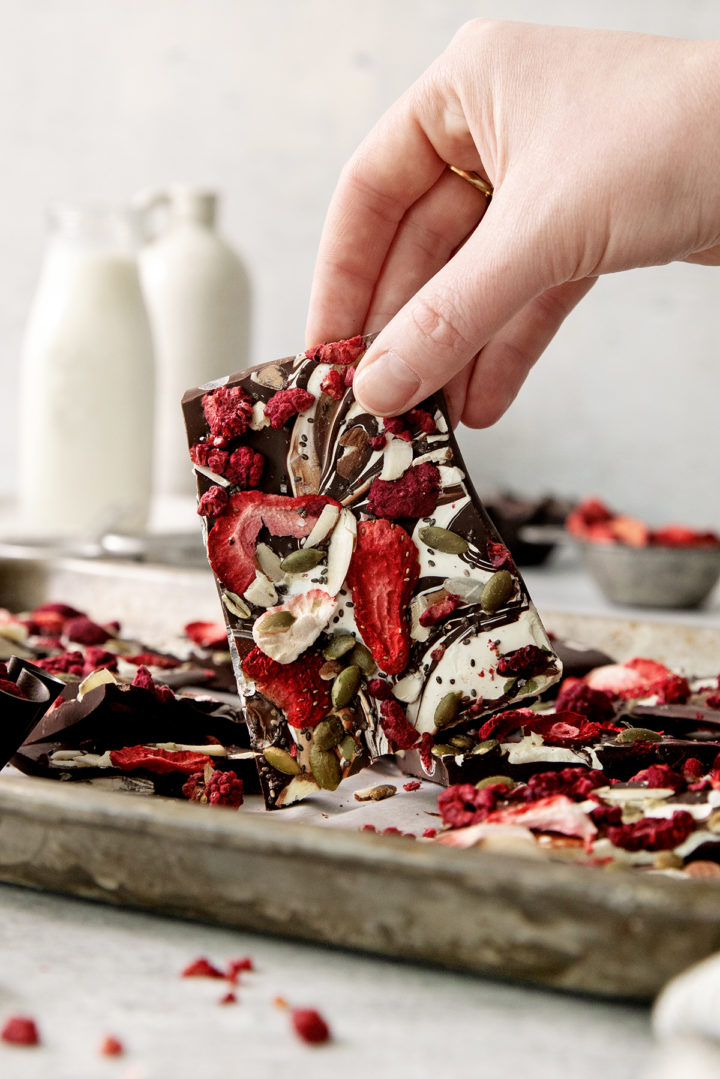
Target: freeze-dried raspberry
x: 379, y: 689
x: 244, y: 468
x: 66, y: 663
x: 296, y: 688
x: 111, y: 1047
x: 594, y: 704
x: 144, y: 680
x: 437, y: 653
x: 286, y: 403
x: 414, y: 494
x: 151, y: 659
x: 20, y: 1030
x: 220, y: 789
x: 159, y: 761
x: 382, y: 575
x: 693, y: 769
x: 499, y: 556
x: 8, y: 686
x: 339, y: 352
x: 420, y: 417
x: 674, y: 690
x: 201, y: 968
x: 208, y: 456
x: 653, y: 833
x: 378, y: 442
x: 413, y: 785
x: 310, y: 1025
x: 334, y: 384
x: 660, y: 775
x: 395, y: 425
x: 97, y: 658
x: 63, y: 610
x: 213, y: 503
x: 604, y: 816
x: 425, y: 750
x: 398, y: 729
x: 83, y: 630
x: 463, y: 804
x: 438, y: 612
x: 574, y: 783
x: 228, y: 411
x: 429, y: 833
x: 524, y: 662
x: 713, y: 701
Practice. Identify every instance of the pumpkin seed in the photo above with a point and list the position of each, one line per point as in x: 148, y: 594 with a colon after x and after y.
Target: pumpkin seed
x: 489, y: 781
x: 326, y: 768
x: 442, y: 539
x: 235, y: 604
x: 462, y: 742
x: 638, y: 734
x: 348, y: 747
x: 276, y: 622
x: 328, y: 733
x: 281, y: 761
x: 484, y: 747
x: 303, y: 560
x: 345, y: 686
x: 509, y: 686
x: 362, y: 657
x: 442, y: 750
x: 376, y: 794
x: 667, y: 859
x: 339, y: 646
x: 447, y: 709
x: 496, y: 591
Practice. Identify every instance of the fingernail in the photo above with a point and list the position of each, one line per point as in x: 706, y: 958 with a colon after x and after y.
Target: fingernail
x: 386, y: 385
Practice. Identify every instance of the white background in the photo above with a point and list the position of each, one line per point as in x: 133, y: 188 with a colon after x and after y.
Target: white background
x: 265, y: 101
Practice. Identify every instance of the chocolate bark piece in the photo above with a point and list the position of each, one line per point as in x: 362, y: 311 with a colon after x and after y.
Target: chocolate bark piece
x: 370, y: 601
x: 23, y: 707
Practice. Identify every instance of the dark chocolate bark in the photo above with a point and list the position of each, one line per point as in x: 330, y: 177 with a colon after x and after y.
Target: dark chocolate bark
x: 407, y: 622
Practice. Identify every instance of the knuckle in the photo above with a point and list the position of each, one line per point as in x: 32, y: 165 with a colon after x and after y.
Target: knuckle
x: 437, y: 319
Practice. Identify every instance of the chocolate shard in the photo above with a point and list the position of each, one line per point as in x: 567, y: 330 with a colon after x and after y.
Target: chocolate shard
x: 26, y: 693
x: 373, y: 608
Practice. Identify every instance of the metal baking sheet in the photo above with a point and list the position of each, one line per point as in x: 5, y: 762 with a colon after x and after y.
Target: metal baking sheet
x: 615, y: 933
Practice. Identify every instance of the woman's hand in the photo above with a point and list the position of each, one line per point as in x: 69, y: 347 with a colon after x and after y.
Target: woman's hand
x: 603, y: 150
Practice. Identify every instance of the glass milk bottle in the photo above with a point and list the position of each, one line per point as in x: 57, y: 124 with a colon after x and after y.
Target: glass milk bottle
x: 197, y: 293
x: 87, y: 386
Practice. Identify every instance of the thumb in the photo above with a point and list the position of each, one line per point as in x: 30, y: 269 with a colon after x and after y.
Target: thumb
x: 444, y: 326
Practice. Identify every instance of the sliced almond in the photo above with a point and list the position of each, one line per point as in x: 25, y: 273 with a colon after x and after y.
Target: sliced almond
x: 297, y: 790
x: 259, y: 420
x: 397, y: 458
x: 409, y: 688
x: 97, y: 678
x: 340, y: 551
x: 269, y: 562
x: 261, y: 592
x: 323, y: 526
x: 270, y: 376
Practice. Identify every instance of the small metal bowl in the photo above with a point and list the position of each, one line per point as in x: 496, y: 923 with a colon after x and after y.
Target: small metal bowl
x: 652, y: 576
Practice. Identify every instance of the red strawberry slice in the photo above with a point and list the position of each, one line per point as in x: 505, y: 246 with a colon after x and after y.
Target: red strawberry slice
x: 382, y: 575
x: 296, y: 688
x: 231, y: 540
x: 637, y: 677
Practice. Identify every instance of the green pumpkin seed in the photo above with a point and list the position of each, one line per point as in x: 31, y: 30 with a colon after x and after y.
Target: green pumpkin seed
x: 442, y: 539
x: 345, y: 686
x: 497, y: 591
x: 447, y: 709
x: 326, y: 768
x: 530, y: 687
x: 490, y: 781
x: 462, y: 742
x: 348, y: 747
x: 276, y: 622
x: 303, y: 560
x: 339, y: 646
x: 362, y: 657
x: 442, y: 750
x: 376, y: 794
x: 328, y: 733
x: 281, y: 761
x: 484, y: 747
x: 638, y: 734
x: 509, y: 686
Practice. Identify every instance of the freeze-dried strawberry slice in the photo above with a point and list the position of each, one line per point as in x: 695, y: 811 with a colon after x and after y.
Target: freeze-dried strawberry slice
x: 160, y: 761
x: 296, y: 688
x: 637, y: 677
x: 383, y: 572
x: 231, y: 540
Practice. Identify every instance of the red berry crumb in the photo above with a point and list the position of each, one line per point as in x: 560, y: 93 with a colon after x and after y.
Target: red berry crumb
x: 229, y: 998
x: 245, y: 467
x: 236, y: 966
x: 213, y: 503
x: 201, y: 968
x: 333, y: 384
x: 422, y: 419
x: 20, y: 1030
x: 378, y: 442
x: 84, y: 631
x: 438, y: 612
x: 286, y: 403
x: 310, y: 1025
x: 398, y: 729
x: 429, y: 833
x: 228, y: 411
x: 112, y: 1047
x: 413, y: 785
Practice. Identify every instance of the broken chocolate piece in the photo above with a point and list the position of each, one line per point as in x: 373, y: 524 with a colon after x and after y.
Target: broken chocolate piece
x: 337, y: 543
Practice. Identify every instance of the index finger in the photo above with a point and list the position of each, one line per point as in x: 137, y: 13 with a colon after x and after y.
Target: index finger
x: 392, y: 168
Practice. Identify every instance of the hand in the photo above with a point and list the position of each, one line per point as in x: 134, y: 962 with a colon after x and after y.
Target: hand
x: 603, y: 150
